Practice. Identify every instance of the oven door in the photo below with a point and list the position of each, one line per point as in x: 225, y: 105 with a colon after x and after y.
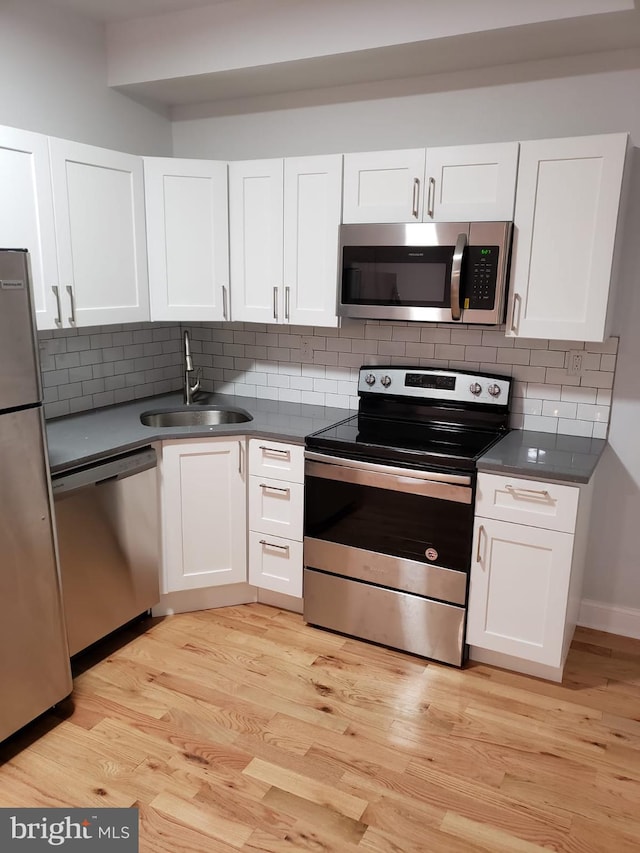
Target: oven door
x: 387, y: 552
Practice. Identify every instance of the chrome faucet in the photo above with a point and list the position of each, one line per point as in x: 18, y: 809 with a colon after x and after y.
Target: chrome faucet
x: 189, y: 389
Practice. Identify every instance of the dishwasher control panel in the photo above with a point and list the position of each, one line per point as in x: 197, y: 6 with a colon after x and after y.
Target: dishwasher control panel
x: 111, y: 468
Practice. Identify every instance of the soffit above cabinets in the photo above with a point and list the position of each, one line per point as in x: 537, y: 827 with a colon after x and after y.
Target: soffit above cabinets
x: 181, y: 52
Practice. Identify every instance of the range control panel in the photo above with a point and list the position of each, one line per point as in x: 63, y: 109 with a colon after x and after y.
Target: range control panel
x: 427, y: 383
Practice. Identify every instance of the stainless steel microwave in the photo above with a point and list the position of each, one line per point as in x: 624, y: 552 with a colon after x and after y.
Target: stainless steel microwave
x: 440, y: 272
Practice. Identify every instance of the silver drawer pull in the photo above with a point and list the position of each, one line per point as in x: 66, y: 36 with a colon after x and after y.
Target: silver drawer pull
x: 480, y: 533
x: 273, y: 545
x: 274, y: 450
x: 540, y: 493
x: 273, y: 488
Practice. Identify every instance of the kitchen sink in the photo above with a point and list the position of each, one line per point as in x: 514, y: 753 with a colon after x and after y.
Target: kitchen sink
x: 195, y: 416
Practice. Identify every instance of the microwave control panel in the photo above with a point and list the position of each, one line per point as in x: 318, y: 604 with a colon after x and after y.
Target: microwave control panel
x: 481, y: 273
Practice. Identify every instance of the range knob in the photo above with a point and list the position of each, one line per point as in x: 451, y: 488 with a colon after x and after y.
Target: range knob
x: 370, y: 379
x: 386, y: 381
x: 494, y: 390
x: 475, y: 388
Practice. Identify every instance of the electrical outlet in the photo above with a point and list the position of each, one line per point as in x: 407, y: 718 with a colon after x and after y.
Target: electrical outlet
x: 307, y: 352
x: 575, y: 362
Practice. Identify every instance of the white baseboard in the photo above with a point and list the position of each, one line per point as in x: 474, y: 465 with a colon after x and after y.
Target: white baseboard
x: 204, y: 599
x: 608, y: 617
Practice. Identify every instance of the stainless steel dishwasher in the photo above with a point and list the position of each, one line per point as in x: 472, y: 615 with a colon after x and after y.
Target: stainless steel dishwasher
x: 108, y: 543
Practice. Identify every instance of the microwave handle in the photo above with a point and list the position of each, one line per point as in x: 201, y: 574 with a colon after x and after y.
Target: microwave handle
x: 456, y: 269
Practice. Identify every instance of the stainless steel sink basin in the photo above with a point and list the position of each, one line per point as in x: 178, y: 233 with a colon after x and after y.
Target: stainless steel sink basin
x: 195, y: 416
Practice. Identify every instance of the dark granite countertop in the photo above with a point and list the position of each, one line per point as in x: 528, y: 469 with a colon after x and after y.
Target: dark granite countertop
x: 544, y: 456
x: 86, y: 437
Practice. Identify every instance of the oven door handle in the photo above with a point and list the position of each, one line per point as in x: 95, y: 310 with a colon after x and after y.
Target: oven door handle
x: 434, y: 484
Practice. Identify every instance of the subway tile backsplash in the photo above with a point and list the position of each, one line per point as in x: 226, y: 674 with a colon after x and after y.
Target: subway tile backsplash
x: 93, y: 367
x: 98, y: 366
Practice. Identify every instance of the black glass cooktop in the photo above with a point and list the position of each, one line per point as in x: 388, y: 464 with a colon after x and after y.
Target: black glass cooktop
x: 423, y: 446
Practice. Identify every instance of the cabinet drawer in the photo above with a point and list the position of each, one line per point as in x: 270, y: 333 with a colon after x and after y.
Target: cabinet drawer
x: 276, y: 506
x: 276, y: 459
x: 530, y: 502
x: 275, y: 563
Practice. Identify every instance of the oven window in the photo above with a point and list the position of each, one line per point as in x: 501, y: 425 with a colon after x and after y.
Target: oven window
x: 396, y: 523
x: 391, y: 275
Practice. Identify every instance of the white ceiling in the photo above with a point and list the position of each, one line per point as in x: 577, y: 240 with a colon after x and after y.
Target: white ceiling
x: 165, y: 51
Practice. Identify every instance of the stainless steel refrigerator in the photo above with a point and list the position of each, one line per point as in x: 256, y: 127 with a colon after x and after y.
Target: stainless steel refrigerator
x: 34, y: 660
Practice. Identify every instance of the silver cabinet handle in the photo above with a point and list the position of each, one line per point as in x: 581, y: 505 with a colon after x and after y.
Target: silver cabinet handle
x: 456, y: 269
x: 274, y: 488
x: 56, y: 291
x: 224, y: 303
x: 275, y: 303
x: 72, y: 318
x: 517, y: 302
x: 480, y: 533
x: 415, y: 201
x: 541, y: 493
x: 431, y: 197
x: 286, y: 453
x: 273, y: 545
x: 287, y: 294
x: 240, y: 460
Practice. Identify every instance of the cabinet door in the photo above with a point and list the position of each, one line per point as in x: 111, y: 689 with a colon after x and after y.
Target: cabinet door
x: 471, y: 183
x: 566, y: 214
x: 187, y: 238
x: 255, y: 240
x: 204, y: 513
x: 312, y: 202
x: 519, y: 589
x: 383, y: 186
x: 26, y: 215
x: 98, y: 198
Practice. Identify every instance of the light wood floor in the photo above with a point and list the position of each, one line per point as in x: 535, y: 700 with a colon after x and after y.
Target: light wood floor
x: 242, y: 729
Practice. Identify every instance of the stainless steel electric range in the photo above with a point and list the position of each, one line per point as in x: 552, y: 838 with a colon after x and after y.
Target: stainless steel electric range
x: 389, y: 501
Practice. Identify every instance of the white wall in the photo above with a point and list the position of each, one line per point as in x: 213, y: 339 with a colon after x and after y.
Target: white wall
x: 520, y: 102
x: 53, y: 81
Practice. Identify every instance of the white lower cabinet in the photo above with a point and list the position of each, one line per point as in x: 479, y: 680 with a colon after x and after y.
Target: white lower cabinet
x: 204, y: 516
x: 526, y: 575
x: 276, y: 508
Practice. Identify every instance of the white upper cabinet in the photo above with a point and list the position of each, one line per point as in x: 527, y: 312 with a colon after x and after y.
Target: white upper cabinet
x: 312, y: 202
x: 187, y: 238
x: 98, y: 198
x: 284, y: 218
x: 255, y: 239
x: 383, y: 186
x: 566, y: 215
x: 474, y: 183
x: 452, y: 184
x: 26, y: 214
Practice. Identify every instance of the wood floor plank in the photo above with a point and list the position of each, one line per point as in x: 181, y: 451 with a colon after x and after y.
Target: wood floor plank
x: 309, y: 789
x: 210, y: 821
